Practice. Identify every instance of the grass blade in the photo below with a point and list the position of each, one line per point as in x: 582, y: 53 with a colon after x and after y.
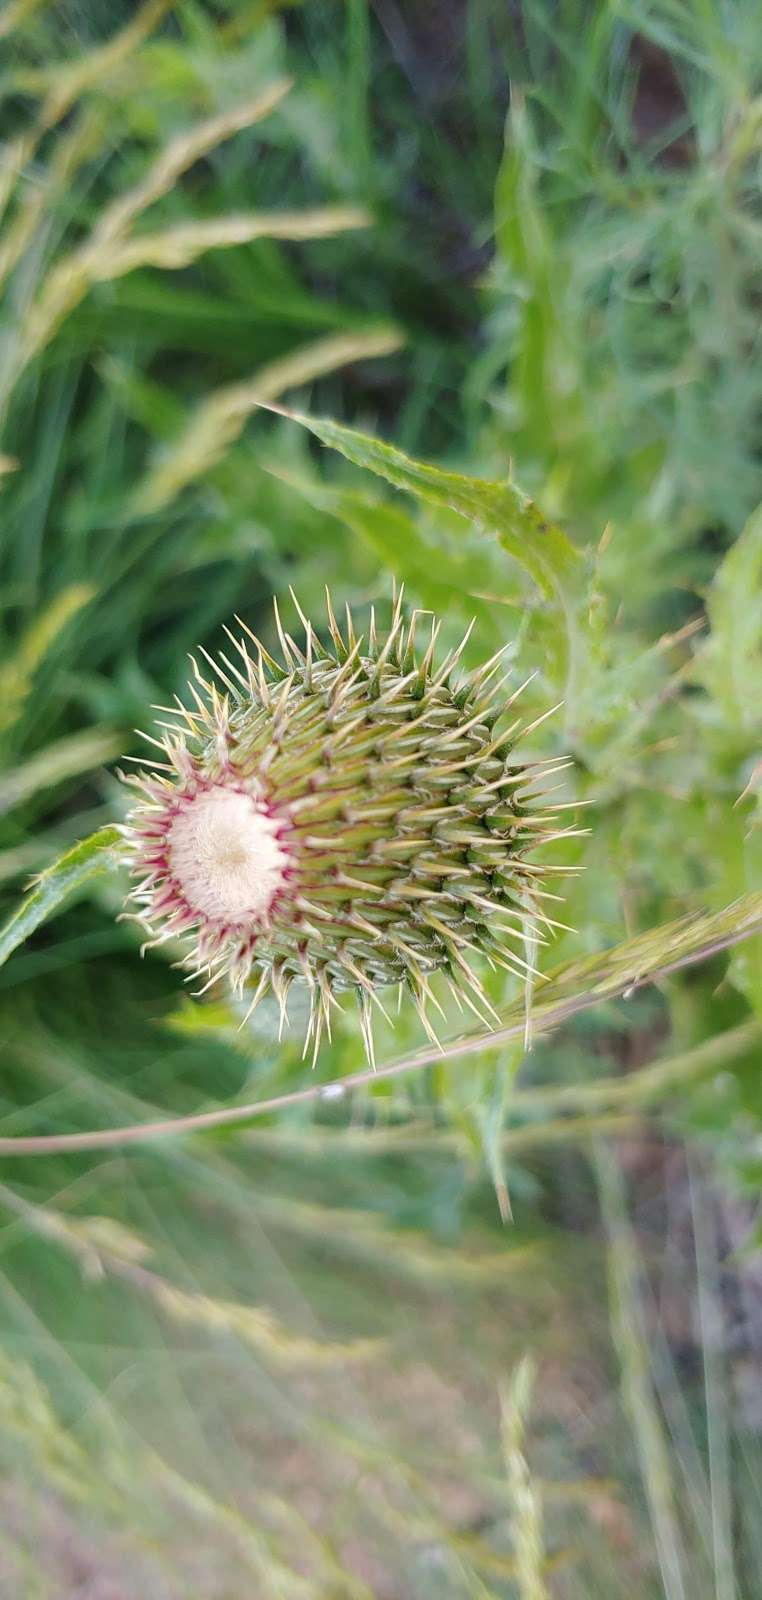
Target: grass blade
x: 631, y: 1344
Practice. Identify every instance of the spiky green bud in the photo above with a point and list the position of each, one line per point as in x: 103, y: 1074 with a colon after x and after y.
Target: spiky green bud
x: 354, y: 818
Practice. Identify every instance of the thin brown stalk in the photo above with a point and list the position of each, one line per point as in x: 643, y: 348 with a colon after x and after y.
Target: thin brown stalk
x: 617, y: 979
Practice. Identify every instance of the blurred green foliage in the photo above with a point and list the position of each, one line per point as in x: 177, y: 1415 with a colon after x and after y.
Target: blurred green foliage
x: 501, y: 240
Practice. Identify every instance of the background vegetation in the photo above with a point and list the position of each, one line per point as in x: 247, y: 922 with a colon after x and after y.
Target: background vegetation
x: 297, y: 1359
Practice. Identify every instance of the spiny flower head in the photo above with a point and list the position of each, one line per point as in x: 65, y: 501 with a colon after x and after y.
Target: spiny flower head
x: 352, y: 818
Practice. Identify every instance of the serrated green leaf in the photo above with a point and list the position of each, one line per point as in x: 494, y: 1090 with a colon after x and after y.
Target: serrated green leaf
x: 72, y: 871
x: 444, y: 580
x: 500, y: 507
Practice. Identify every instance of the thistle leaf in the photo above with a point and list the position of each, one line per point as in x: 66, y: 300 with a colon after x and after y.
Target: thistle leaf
x: 499, y: 506
x: 87, y: 860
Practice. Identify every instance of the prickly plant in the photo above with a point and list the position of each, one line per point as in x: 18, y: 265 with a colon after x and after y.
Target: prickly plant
x: 354, y: 817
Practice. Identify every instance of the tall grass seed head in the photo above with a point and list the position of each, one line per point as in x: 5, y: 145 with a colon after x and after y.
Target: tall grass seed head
x: 352, y: 818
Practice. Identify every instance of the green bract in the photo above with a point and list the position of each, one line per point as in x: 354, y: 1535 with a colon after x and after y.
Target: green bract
x: 353, y: 818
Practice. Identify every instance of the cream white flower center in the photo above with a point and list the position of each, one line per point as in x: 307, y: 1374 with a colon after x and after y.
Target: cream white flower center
x: 225, y: 856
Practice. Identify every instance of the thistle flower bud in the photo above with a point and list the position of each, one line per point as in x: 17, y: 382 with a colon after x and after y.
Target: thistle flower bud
x: 353, y: 818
